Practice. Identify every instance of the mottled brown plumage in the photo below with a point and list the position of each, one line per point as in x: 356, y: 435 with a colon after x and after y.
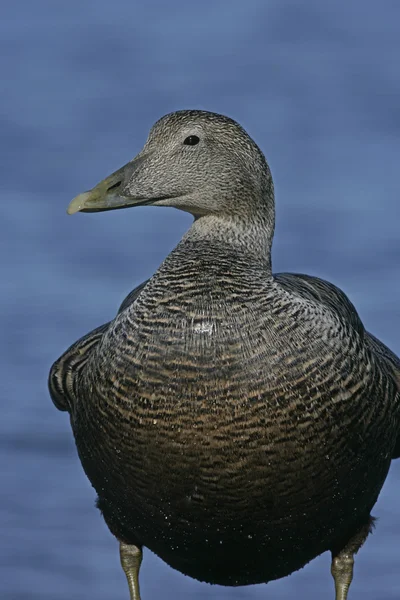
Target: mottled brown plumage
x: 235, y: 422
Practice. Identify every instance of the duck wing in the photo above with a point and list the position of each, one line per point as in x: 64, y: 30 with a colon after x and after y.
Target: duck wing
x: 64, y: 373
x: 327, y: 293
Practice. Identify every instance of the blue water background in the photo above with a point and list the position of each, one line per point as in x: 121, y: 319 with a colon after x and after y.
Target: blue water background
x: 317, y: 84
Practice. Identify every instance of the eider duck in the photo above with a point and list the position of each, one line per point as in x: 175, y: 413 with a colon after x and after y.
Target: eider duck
x: 236, y: 422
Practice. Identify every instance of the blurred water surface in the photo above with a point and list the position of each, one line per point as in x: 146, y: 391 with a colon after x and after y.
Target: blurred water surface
x: 318, y: 86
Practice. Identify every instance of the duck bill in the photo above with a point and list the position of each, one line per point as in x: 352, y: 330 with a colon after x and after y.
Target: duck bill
x: 108, y: 194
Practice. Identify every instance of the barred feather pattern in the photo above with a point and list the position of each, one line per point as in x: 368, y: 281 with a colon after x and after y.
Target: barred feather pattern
x: 236, y: 423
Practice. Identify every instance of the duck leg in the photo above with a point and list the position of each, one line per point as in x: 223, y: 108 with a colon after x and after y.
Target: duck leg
x: 343, y: 560
x: 131, y: 559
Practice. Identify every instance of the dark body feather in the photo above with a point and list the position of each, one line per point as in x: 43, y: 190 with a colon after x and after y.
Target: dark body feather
x: 235, y: 423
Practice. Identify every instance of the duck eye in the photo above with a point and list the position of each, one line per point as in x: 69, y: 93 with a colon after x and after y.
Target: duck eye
x: 192, y: 140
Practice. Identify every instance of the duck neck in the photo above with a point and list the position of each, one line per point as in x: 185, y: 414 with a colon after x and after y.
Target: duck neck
x: 249, y: 240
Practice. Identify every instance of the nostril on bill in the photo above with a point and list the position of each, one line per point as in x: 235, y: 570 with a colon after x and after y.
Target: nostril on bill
x: 114, y: 186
